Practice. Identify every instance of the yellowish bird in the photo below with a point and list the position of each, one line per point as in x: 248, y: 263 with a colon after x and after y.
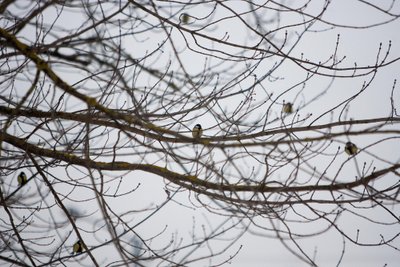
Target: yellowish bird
x: 350, y: 148
x: 287, y: 108
x: 185, y: 18
x: 77, y: 247
x: 22, y: 179
x: 197, y: 131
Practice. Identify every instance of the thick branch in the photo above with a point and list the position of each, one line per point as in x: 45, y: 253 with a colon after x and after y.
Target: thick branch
x: 189, y: 179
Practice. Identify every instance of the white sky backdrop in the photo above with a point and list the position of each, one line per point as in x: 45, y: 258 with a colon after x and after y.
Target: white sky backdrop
x: 358, y: 45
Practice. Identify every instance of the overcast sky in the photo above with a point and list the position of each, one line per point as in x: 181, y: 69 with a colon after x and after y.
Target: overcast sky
x: 185, y: 215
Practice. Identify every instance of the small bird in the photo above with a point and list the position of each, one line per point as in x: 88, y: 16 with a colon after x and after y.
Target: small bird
x: 350, y: 148
x: 287, y: 108
x: 22, y: 179
x: 185, y: 18
x: 197, y: 131
x: 77, y: 247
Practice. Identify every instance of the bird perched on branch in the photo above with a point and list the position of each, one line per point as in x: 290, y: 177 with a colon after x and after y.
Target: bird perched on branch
x: 77, y: 247
x: 287, y: 108
x: 22, y: 179
x: 197, y: 131
x: 185, y: 18
x: 350, y: 148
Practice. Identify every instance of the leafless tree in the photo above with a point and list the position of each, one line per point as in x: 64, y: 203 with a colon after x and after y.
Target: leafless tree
x: 99, y: 99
